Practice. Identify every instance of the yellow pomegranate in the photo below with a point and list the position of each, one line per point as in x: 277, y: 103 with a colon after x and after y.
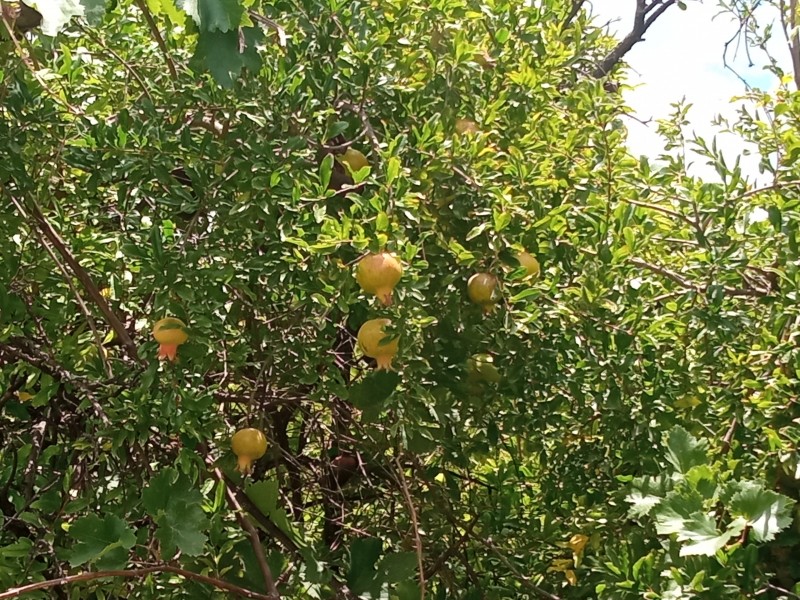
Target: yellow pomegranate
x: 370, y: 337
x: 169, y: 333
x: 530, y: 263
x: 378, y: 274
x: 481, y: 288
x: 248, y: 445
x: 354, y: 159
x: 466, y: 126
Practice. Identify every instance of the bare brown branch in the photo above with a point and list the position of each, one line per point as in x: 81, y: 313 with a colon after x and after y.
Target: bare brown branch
x: 646, y: 15
x: 132, y: 573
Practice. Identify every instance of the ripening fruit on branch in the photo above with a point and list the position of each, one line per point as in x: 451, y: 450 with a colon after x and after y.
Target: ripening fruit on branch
x: 370, y: 337
x: 378, y: 274
x: 248, y: 445
x: 480, y: 368
x: 481, y: 290
x: 466, y: 126
x: 354, y: 159
x: 530, y: 263
x: 169, y: 333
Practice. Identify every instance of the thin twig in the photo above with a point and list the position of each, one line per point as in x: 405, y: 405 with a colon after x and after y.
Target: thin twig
x: 662, y: 209
x: 48, y: 365
x: 148, y: 16
x: 132, y: 573
x: 121, y: 60
x: 726, y: 441
x: 522, y: 578
x: 695, y: 287
x: 454, y: 547
x: 359, y: 110
x: 417, y: 539
x: 72, y: 109
x: 255, y: 540
x: 79, y: 272
x: 79, y: 299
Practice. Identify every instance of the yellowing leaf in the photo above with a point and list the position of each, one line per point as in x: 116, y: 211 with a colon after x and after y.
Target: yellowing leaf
x: 577, y: 543
x: 687, y: 402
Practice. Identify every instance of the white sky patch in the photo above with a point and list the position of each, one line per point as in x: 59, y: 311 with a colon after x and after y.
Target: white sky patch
x: 682, y: 57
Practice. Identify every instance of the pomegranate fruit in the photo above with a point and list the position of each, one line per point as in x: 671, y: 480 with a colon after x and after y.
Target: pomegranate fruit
x: 530, y: 263
x: 480, y: 368
x: 248, y: 445
x: 378, y: 274
x: 466, y: 126
x: 169, y: 333
x: 370, y: 336
x: 481, y: 288
x: 354, y: 159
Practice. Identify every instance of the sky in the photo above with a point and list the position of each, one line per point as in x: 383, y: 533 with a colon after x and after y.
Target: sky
x: 682, y: 56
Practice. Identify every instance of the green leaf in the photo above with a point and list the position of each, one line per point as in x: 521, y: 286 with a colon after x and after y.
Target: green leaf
x: 325, y: 170
x: 94, y: 11
x: 766, y: 512
x: 264, y: 495
x: 646, y: 493
x: 364, y: 553
x: 175, y: 504
x: 105, y: 541
x: 703, y: 536
x: 374, y: 389
x: 218, y: 52
x: 408, y: 590
x: 684, y: 516
x: 181, y: 527
x: 392, y: 169
x: 685, y: 451
x: 675, y: 510
x: 399, y: 566
x: 219, y: 15
x: 168, y: 8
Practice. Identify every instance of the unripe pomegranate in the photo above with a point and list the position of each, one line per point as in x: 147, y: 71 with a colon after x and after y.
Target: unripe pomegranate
x: 169, y: 333
x: 378, y: 274
x: 466, y: 126
x: 354, y: 159
x: 480, y: 289
x: 530, y: 263
x: 370, y: 337
x: 480, y: 367
x: 248, y: 445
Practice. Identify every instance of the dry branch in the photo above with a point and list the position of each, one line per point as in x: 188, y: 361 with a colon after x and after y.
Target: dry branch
x: 646, y: 15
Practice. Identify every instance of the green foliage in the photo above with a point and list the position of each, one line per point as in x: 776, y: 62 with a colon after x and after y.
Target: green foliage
x: 174, y: 503
x: 103, y: 541
x: 642, y: 391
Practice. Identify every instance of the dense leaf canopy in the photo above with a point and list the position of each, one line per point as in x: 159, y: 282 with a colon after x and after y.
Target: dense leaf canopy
x: 634, y: 434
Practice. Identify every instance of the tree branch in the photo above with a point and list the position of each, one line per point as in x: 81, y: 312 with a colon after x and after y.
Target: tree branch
x: 576, y: 8
x: 82, y: 276
x: 689, y: 285
x: 133, y: 573
x: 255, y: 541
x: 645, y: 16
x: 148, y: 16
x: 525, y: 580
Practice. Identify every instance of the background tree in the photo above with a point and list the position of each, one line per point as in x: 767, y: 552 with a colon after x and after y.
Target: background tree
x: 637, y: 436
